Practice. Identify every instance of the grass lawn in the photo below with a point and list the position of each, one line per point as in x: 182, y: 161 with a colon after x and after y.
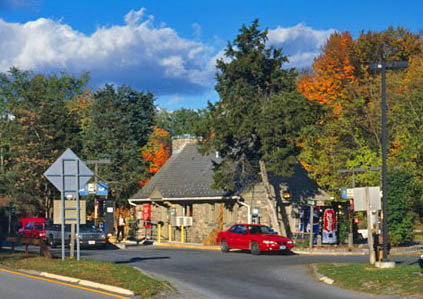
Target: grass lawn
x: 101, y: 272
x: 399, y: 281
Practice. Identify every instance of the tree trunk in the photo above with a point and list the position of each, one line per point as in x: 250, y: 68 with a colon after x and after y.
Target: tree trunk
x: 270, y: 198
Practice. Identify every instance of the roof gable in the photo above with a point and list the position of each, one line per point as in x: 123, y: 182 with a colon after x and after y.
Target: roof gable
x: 187, y: 174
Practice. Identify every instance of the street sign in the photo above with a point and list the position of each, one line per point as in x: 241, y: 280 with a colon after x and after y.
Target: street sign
x: 101, y: 189
x: 360, y: 201
x: 68, y: 173
x: 63, y: 172
x: 347, y: 193
x: 70, y: 212
x: 92, y: 188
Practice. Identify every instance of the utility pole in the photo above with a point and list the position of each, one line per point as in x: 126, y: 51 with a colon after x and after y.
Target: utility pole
x: 96, y: 162
x: 383, y: 66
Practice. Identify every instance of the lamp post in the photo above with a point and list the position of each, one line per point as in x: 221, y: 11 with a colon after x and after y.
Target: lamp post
x: 353, y: 171
x: 383, y: 66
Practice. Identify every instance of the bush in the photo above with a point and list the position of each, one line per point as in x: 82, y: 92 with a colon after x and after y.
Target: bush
x: 400, y: 219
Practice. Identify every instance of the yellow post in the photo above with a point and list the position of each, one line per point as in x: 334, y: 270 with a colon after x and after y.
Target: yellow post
x: 170, y: 232
x: 159, y: 237
x: 182, y: 234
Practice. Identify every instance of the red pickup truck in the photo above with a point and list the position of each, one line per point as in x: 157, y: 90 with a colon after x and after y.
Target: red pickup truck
x: 33, y: 227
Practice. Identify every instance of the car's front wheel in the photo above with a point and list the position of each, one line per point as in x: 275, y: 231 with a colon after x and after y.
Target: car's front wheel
x: 255, y: 249
x: 224, y: 246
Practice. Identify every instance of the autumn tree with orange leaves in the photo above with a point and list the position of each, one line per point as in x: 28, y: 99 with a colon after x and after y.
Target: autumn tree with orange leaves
x: 156, y: 152
x: 348, y: 134
x: 332, y: 72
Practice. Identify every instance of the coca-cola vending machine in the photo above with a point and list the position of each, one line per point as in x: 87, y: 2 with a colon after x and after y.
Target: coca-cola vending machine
x: 329, y: 227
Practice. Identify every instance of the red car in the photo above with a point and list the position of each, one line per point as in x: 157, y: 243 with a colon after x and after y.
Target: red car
x: 254, y: 237
x: 34, y: 229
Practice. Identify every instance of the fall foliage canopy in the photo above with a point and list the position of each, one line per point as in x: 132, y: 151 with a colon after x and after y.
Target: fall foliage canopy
x: 156, y: 152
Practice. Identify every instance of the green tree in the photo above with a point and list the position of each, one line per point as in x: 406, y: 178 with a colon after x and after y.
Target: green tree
x: 119, y: 124
x: 257, y: 120
x: 400, y: 220
x: 36, y: 128
x: 179, y: 122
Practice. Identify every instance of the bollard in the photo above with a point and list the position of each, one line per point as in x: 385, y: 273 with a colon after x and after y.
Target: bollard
x: 170, y: 232
x: 159, y: 237
x: 182, y: 234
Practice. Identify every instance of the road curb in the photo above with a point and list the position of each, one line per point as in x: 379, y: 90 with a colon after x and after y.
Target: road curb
x: 87, y: 283
x: 329, y: 253
x: 59, y: 277
x: 203, y: 247
x: 321, y: 277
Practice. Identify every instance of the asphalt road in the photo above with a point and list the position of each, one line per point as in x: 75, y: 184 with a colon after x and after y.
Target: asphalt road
x: 13, y: 286
x: 233, y: 275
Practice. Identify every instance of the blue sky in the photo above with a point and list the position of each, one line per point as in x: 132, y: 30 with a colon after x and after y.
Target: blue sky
x: 170, y: 47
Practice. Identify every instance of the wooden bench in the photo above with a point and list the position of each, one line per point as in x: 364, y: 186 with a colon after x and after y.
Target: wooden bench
x: 44, y: 251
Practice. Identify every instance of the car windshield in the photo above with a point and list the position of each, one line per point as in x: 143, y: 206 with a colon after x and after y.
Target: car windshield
x: 262, y: 229
x: 39, y: 226
x: 88, y: 227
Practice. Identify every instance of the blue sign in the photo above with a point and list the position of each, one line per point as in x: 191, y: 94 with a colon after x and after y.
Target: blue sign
x: 102, y: 190
x: 84, y: 191
x: 344, y: 193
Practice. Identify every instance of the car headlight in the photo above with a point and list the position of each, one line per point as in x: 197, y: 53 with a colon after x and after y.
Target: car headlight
x: 268, y: 242
x: 289, y: 242
x: 103, y: 236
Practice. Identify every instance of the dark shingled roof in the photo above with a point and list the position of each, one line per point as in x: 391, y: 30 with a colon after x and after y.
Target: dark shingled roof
x: 187, y: 174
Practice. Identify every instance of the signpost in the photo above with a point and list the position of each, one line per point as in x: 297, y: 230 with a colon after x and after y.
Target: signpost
x: 368, y: 199
x: 68, y: 173
x: 311, y: 203
x: 96, y: 162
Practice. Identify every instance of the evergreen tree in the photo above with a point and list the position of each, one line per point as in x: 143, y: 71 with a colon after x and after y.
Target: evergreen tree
x: 257, y: 120
x: 119, y: 125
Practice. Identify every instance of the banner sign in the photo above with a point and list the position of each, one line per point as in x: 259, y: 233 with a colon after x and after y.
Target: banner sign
x: 146, y: 214
x: 101, y: 189
x: 329, y: 226
x: 146, y: 211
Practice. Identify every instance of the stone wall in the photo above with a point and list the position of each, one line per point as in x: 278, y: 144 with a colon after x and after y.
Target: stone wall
x: 205, y: 215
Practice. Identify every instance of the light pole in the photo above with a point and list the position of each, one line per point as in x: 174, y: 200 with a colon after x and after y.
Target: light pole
x: 353, y: 171
x: 383, y: 66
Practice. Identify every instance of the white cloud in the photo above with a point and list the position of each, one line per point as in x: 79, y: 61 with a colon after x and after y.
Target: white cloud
x: 137, y: 54
x: 173, y: 101
x: 300, y: 43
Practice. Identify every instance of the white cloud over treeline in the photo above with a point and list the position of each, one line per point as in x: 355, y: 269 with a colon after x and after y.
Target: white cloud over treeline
x: 137, y: 53
x: 300, y: 43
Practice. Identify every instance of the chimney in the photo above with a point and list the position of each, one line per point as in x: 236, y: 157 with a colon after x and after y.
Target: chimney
x: 178, y: 142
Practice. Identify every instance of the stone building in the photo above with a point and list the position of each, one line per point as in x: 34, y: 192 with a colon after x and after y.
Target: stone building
x: 181, y: 193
